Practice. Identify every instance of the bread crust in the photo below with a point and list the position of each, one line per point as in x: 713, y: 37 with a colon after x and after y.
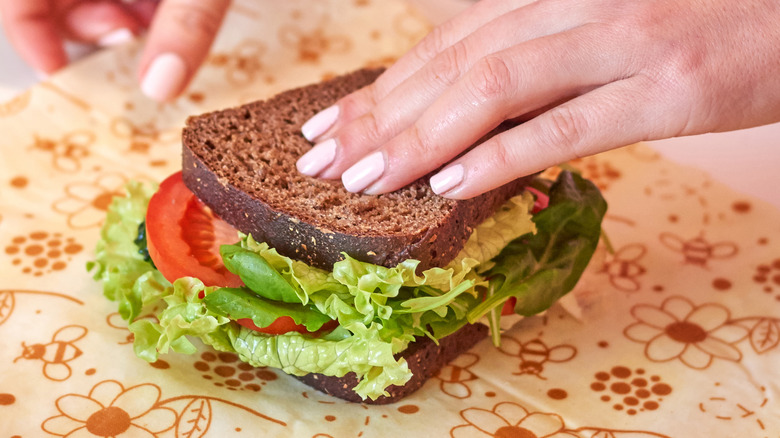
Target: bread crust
x: 424, y: 357
x: 319, y: 240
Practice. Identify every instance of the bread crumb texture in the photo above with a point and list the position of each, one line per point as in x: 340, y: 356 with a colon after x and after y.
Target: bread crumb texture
x: 255, y: 147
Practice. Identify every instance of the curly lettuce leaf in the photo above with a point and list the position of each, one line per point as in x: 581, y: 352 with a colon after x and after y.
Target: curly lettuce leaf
x: 511, y: 221
x: 118, y: 263
x: 365, y: 353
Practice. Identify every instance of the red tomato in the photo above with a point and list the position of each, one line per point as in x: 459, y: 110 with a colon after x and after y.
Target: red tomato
x: 509, y: 306
x: 282, y: 325
x: 541, y: 202
x: 286, y: 324
x: 184, y: 236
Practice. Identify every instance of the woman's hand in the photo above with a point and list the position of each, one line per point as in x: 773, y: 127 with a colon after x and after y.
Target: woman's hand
x: 586, y: 76
x: 180, y: 34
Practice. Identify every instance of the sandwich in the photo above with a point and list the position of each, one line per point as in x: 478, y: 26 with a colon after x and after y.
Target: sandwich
x: 362, y: 297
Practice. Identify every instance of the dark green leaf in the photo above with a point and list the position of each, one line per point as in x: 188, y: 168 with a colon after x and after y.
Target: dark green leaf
x: 238, y: 303
x: 540, y: 268
x: 140, y: 242
x: 257, y: 274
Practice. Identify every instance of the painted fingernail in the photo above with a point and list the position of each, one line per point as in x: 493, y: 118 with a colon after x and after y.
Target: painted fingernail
x: 447, y: 179
x: 363, y: 173
x: 165, y: 77
x: 116, y: 37
x: 42, y: 76
x: 318, y: 158
x: 321, y: 122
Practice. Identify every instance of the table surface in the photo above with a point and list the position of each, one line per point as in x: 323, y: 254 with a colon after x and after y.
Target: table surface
x: 675, y: 333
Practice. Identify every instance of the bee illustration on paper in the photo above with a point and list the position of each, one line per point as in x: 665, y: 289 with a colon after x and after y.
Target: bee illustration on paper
x: 534, y: 354
x: 57, y: 353
x: 698, y: 251
x: 68, y: 151
x: 623, y: 268
x: 454, y: 375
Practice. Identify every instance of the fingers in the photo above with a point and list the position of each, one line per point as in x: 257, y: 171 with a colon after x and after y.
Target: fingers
x: 181, y: 34
x: 143, y: 10
x: 33, y: 32
x: 444, y: 36
x: 431, y: 46
x: 104, y: 23
x: 615, y: 115
x: 406, y: 103
x: 499, y: 87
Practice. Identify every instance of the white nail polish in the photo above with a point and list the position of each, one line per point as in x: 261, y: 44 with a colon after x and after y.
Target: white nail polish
x: 320, y: 122
x: 447, y: 179
x: 116, y: 37
x: 165, y: 77
x: 363, y: 173
x: 42, y: 76
x: 317, y: 158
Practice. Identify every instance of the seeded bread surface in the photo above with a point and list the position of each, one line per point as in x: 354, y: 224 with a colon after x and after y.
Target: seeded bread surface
x: 241, y: 163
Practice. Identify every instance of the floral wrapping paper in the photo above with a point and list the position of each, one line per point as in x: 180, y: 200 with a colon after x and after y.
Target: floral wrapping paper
x: 675, y: 332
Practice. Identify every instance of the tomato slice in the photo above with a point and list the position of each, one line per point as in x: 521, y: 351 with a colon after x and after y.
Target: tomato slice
x: 509, y: 306
x: 184, y: 236
x: 285, y: 324
x: 542, y: 200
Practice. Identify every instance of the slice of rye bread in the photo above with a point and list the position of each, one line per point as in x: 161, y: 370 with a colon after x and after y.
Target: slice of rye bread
x: 241, y: 163
x: 424, y: 357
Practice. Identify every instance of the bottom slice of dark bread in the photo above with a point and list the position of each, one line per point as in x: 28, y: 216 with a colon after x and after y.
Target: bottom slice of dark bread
x: 424, y: 358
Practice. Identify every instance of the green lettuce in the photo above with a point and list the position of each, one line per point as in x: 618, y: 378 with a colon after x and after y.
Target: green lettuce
x: 379, y: 310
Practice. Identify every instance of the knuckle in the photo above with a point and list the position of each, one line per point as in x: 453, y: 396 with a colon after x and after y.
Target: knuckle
x: 450, y: 64
x: 504, y: 156
x: 490, y: 79
x: 369, y: 127
x: 417, y: 146
x: 565, y: 130
x: 358, y: 103
x: 682, y: 62
x: 360, y: 133
x: 379, y: 89
x: 433, y: 44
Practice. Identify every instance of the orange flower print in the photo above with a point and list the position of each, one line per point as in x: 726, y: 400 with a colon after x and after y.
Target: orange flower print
x: 86, y: 203
x: 111, y: 411
x: 509, y: 420
x: 680, y: 330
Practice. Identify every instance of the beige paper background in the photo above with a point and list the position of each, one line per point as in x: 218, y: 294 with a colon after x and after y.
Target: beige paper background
x: 677, y: 335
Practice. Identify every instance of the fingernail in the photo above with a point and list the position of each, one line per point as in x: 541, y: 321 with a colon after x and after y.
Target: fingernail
x: 164, y: 77
x: 42, y: 76
x: 318, y: 158
x: 321, y: 122
x: 116, y: 37
x: 364, y: 172
x: 447, y: 179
